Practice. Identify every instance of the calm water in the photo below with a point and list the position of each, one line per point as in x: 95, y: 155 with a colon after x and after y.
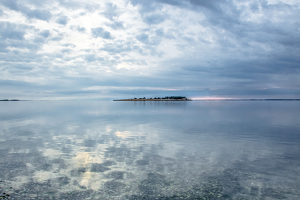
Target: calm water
x: 150, y: 150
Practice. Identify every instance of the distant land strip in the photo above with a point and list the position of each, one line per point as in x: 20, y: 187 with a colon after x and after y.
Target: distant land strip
x: 141, y: 99
x: 11, y: 100
x: 151, y: 100
x: 171, y: 98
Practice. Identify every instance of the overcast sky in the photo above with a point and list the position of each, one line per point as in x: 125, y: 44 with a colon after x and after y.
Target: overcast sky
x: 134, y: 48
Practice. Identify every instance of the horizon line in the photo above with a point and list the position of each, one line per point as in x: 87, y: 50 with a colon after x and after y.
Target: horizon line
x: 245, y: 99
x: 193, y: 99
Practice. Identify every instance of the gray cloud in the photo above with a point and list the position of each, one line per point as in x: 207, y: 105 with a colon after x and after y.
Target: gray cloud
x: 11, y: 31
x: 69, y: 45
x: 40, y: 14
x: 154, y: 18
x: 73, y: 5
x: 116, y: 25
x: 110, y: 12
x: 143, y: 37
x: 148, y: 39
x: 100, y: 32
x: 13, y: 5
x: 63, y: 20
x: 78, y: 28
x: 92, y: 58
x: 45, y: 33
x: 161, y: 33
x: 66, y: 50
x: 121, y: 47
x: 81, y: 29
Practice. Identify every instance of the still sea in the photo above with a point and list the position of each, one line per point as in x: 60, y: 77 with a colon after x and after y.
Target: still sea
x: 150, y: 150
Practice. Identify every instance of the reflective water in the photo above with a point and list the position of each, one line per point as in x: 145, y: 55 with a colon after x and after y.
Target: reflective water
x: 150, y: 150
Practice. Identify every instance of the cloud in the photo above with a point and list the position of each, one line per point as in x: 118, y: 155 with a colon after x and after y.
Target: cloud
x: 154, y: 18
x: 78, y: 5
x: 45, y: 33
x: 44, y: 15
x: 15, y: 5
x: 116, y: 25
x: 119, y: 47
x: 215, y: 6
x: 81, y: 29
x: 100, y: 32
x: 78, y: 28
x: 63, y: 20
x: 69, y: 45
x: 143, y: 37
x: 161, y: 33
x: 11, y: 31
x: 110, y: 12
x: 92, y: 57
x: 148, y: 39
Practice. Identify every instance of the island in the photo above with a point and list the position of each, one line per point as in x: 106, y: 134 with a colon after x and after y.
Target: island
x: 170, y: 98
x: 10, y: 100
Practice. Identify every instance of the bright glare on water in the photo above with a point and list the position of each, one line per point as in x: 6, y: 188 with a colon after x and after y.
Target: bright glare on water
x: 150, y: 150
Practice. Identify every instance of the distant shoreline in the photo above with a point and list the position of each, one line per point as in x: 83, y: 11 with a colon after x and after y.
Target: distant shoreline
x: 207, y: 100
x: 11, y: 100
x: 167, y: 98
x: 151, y: 100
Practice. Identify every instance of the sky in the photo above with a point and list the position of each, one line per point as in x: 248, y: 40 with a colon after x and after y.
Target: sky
x: 102, y: 50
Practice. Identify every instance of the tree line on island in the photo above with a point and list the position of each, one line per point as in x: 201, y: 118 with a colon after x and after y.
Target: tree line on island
x: 171, y: 97
x: 10, y: 100
x: 168, y: 98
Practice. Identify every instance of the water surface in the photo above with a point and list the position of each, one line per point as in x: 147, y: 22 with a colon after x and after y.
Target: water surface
x: 150, y: 150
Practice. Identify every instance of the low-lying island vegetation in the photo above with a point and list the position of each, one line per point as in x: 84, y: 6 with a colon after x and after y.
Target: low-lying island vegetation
x: 10, y: 100
x: 170, y: 98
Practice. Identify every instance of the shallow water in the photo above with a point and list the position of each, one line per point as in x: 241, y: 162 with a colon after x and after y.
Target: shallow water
x: 150, y: 150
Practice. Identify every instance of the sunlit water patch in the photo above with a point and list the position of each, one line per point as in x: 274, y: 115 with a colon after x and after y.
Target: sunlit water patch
x: 150, y: 150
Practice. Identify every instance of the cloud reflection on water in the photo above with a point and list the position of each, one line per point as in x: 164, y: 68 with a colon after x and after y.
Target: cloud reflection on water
x: 110, y: 149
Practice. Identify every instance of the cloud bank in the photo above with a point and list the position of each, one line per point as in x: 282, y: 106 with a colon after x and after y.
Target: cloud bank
x: 131, y: 48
